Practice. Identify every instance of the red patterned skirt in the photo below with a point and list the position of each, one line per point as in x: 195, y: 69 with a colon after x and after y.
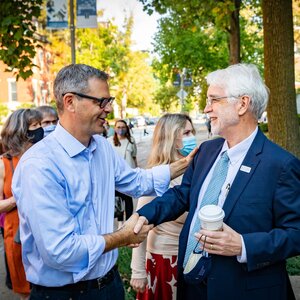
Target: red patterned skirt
x: 162, y: 277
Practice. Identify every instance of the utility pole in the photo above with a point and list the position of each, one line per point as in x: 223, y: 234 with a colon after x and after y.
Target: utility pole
x: 182, y: 91
x: 72, y: 32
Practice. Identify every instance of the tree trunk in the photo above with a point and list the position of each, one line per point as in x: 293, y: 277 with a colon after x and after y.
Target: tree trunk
x: 279, y: 74
x: 234, y: 34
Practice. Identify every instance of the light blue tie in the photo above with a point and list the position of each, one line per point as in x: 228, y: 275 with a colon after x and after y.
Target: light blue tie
x: 211, y: 196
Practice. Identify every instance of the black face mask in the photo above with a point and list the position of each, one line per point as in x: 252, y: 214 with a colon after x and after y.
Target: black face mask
x: 35, y: 135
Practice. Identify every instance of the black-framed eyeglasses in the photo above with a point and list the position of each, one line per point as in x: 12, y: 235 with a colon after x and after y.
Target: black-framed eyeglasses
x: 103, y: 101
x: 210, y: 101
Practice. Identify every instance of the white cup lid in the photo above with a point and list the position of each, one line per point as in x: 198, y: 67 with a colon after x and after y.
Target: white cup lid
x: 211, y: 213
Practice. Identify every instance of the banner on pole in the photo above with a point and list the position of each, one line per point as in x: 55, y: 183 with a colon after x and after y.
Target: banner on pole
x: 86, y: 14
x: 57, y: 14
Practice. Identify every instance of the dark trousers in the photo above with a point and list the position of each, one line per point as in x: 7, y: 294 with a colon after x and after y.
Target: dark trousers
x: 113, y: 290
x: 128, y: 206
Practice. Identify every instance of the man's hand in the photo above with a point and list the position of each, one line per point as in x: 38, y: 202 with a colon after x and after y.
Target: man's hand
x: 139, y: 224
x: 226, y: 242
x: 126, y: 236
x: 133, y: 237
x: 139, y: 285
x: 178, y: 167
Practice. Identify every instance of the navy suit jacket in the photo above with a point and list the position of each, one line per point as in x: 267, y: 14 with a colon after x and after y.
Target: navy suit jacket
x: 262, y: 205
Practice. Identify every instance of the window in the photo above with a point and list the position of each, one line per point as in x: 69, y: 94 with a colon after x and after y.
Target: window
x: 12, y: 90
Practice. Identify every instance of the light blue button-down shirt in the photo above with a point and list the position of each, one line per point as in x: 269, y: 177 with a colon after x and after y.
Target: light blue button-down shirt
x: 65, y: 198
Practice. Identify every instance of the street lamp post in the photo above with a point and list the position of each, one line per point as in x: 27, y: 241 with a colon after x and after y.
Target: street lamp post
x: 72, y: 31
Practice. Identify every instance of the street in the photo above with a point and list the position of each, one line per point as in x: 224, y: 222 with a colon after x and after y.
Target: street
x: 144, y: 146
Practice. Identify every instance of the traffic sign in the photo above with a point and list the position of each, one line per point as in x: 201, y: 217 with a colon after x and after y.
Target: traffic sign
x: 187, y: 82
x: 182, y: 94
x: 177, y: 80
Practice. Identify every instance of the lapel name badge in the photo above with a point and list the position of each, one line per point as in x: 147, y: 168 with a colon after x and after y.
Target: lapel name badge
x: 245, y: 169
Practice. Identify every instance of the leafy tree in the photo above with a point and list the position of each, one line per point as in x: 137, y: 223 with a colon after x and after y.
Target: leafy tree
x: 166, y: 97
x: 17, y: 35
x: 141, y: 83
x: 202, y: 47
x: 279, y: 74
x: 222, y: 15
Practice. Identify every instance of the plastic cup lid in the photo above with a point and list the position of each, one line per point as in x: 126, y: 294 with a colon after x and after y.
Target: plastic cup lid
x: 211, y: 213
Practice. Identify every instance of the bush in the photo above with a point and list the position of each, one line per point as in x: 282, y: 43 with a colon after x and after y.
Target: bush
x: 125, y: 271
x: 263, y: 127
x: 293, y: 265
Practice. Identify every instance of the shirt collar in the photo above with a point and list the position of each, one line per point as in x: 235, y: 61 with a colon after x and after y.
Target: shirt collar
x: 70, y: 143
x: 238, y: 151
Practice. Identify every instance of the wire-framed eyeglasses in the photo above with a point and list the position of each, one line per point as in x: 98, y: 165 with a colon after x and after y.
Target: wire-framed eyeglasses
x: 211, y: 101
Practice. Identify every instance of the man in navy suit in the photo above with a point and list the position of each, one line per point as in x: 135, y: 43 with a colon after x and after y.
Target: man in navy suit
x: 260, y: 197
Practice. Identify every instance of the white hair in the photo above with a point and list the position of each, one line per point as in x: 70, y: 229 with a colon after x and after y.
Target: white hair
x: 242, y: 79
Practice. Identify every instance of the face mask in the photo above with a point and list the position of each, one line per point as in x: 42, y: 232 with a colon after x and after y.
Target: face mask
x: 121, y: 131
x: 189, y: 144
x: 49, y: 129
x: 35, y: 135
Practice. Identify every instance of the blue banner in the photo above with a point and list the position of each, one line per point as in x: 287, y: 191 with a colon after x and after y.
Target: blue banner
x: 86, y: 14
x: 57, y: 14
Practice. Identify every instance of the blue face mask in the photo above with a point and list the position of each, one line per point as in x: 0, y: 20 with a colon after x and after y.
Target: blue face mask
x: 121, y: 132
x: 48, y: 129
x: 189, y: 144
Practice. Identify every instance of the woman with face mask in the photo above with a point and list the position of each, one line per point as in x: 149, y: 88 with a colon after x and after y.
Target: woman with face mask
x: 125, y: 145
x: 21, y: 130
x: 154, y: 262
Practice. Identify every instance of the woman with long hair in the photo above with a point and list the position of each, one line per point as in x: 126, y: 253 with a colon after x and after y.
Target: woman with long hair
x: 21, y: 130
x: 125, y: 145
x: 154, y: 262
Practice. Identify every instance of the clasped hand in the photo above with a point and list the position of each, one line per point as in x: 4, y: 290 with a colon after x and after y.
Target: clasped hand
x: 135, y: 237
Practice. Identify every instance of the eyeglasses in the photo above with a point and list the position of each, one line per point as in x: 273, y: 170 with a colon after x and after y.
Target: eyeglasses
x: 210, y: 101
x: 101, y: 101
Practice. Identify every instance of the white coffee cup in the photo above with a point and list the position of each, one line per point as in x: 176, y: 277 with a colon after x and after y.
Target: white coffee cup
x: 211, y: 217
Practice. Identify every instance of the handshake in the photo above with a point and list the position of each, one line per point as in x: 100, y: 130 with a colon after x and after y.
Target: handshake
x: 131, y: 234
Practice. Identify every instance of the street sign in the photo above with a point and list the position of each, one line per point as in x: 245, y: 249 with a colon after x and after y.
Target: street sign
x: 182, y: 94
x: 177, y: 80
x: 187, y: 82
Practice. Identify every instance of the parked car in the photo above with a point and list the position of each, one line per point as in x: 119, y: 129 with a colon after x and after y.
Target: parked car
x: 140, y: 121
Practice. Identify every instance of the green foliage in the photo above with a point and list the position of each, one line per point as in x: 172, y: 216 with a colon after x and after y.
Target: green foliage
x: 194, y: 35
x: 263, y: 127
x: 166, y: 97
x: 124, y: 260
x: 108, y: 48
x: 17, y: 38
x: 4, y: 111
x: 26, y: 105
x: 293, y: 265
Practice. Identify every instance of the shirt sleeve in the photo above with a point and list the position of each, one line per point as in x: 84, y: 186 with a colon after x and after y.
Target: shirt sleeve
x: 140, y: 182
x: 243, y: 257
x: 46, y: 218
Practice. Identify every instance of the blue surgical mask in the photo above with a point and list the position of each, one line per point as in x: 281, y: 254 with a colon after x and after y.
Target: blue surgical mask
x: 121, y: 132
x: 49, y: 129
x: 189, y: 144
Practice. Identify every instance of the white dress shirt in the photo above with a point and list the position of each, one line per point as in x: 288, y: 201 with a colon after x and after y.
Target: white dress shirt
x: 236, y: 156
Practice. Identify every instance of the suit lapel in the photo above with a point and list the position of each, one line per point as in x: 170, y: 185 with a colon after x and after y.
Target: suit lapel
x: 243, y: 176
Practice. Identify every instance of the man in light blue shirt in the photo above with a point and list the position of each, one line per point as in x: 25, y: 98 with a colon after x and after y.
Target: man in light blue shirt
x: 64, y: 187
